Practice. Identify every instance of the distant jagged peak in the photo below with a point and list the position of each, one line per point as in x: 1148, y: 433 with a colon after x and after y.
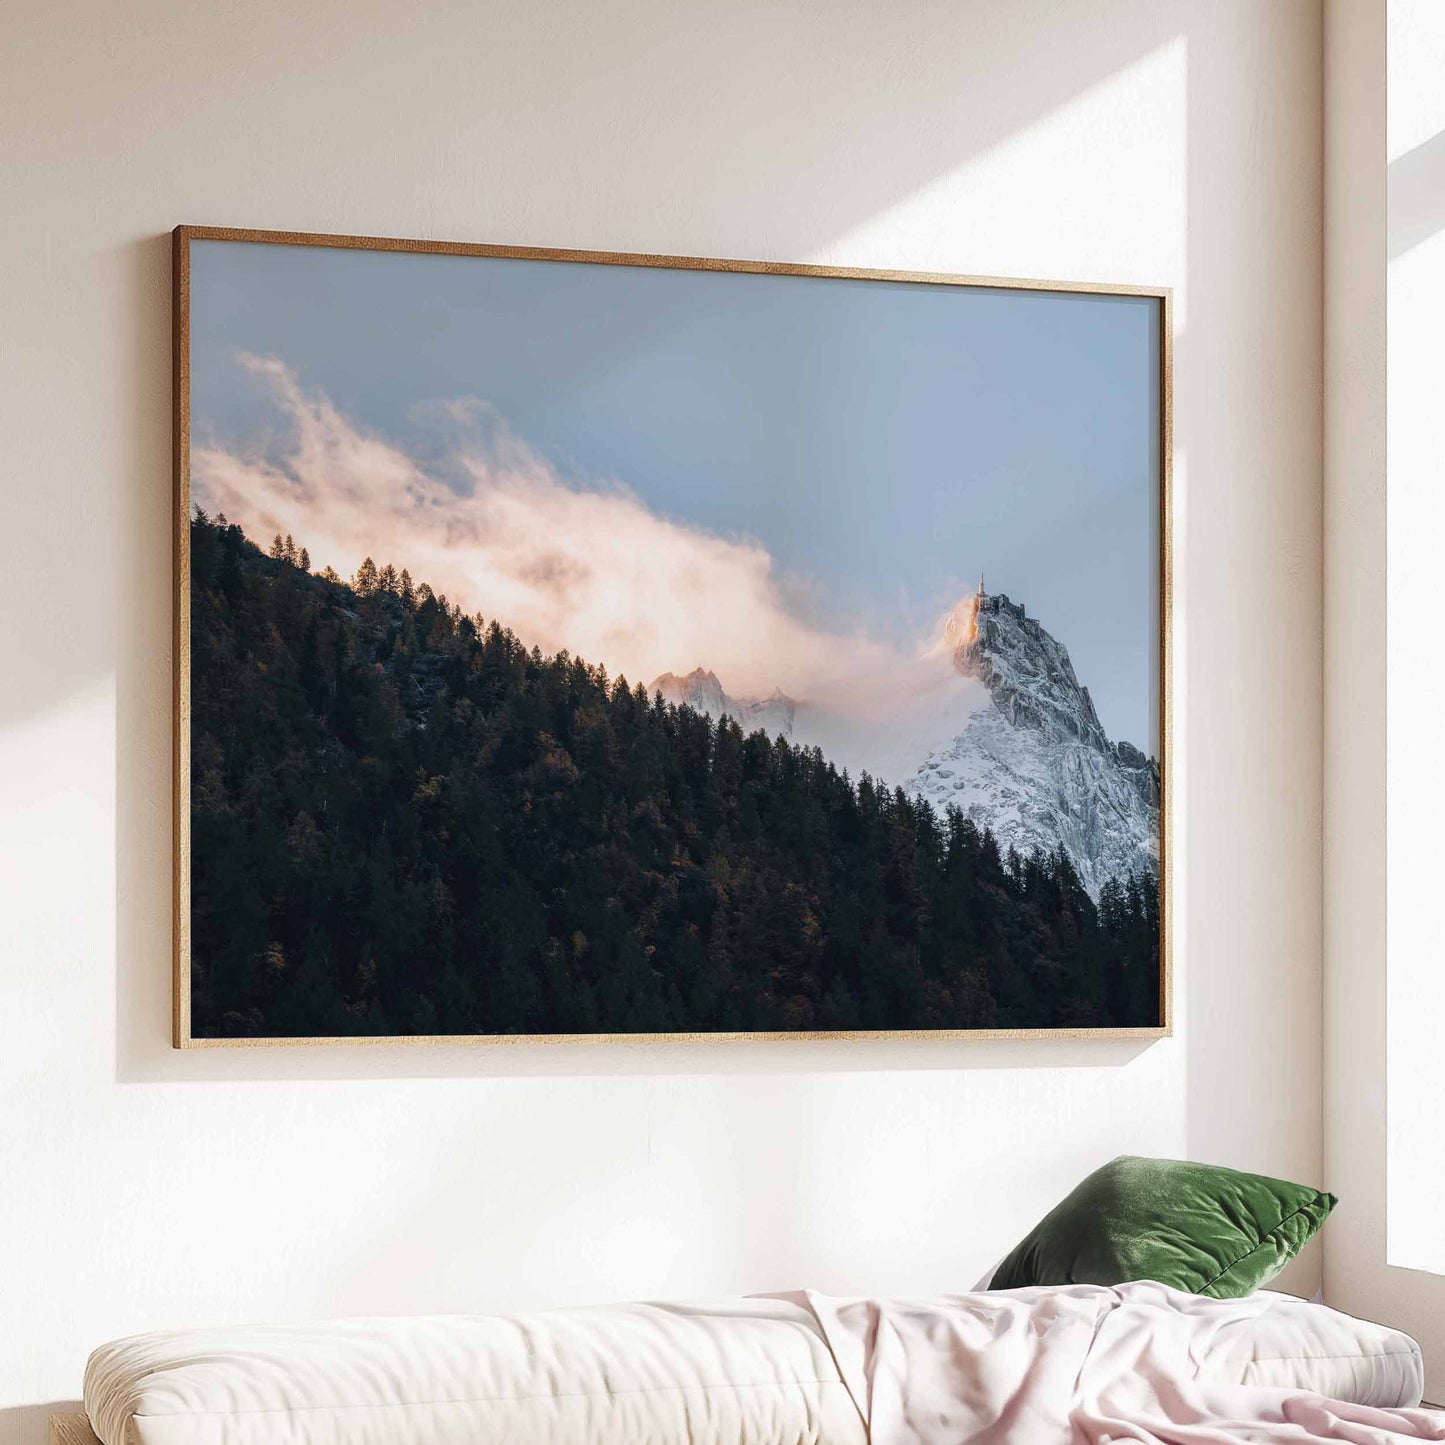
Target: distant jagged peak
x: 698, y: 677
x: 701, y: 690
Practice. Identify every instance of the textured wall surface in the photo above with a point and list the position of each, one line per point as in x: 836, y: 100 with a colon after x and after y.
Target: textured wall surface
x: 1116, y: 140
x: 1384, y: 294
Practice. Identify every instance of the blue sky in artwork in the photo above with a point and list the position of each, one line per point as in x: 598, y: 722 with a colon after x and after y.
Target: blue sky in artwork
x: 884, y: 442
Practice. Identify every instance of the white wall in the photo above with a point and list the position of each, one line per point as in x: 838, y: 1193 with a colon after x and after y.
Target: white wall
x: 1415, y: 445
x: 1384, y: 297
x: 1355, y: 656
x: 1127, y: 140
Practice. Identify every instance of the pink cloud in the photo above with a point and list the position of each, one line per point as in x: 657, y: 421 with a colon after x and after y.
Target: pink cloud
x: 590, y: 569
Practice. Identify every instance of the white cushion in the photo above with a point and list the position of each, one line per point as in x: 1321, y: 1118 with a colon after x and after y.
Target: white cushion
x: 1300, y: 1345
x: 741, y: 1372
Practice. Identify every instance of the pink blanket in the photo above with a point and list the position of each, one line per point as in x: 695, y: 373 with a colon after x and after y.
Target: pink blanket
x: 1079, y: 1364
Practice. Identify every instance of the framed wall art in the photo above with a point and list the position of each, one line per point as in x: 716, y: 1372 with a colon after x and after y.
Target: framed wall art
x: 578, y: 645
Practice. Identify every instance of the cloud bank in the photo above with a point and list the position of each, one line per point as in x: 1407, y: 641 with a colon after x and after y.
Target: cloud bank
x: 488, y: 522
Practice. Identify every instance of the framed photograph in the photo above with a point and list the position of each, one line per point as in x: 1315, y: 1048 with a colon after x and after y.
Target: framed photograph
x: 573, y: 645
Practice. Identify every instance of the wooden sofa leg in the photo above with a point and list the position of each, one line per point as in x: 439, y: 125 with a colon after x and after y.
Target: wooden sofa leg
x: 72, y: 1430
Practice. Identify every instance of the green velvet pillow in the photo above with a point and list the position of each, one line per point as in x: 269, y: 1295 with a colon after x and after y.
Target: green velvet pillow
x: 1194, y: 1227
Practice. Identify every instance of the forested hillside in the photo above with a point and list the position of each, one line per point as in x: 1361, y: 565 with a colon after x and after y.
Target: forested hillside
x: 405, y: 821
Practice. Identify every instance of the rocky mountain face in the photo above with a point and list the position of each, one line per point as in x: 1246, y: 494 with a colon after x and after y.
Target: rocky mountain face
x: 1036, y: 767
x: 995, y: 724
x: 701, y: 691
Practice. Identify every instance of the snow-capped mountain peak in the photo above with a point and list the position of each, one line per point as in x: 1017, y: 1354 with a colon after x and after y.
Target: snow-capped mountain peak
x: 1037, y: 768
x: 1028, y: 672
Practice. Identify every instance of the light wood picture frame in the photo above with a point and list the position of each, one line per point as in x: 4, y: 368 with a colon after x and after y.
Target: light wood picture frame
x: 406, y: 819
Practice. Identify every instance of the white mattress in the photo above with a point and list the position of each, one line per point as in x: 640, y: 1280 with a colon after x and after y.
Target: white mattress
x: 739, y: 1372
x: 736, y: 1372
x: 1305, y: 1346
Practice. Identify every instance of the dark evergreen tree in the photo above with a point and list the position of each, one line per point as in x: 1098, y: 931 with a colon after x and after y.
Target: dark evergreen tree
x: 405, y: 820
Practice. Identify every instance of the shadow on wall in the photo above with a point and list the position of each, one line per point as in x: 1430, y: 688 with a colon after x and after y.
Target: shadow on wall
x: 1417, y: 195
x: 541, y: 1059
